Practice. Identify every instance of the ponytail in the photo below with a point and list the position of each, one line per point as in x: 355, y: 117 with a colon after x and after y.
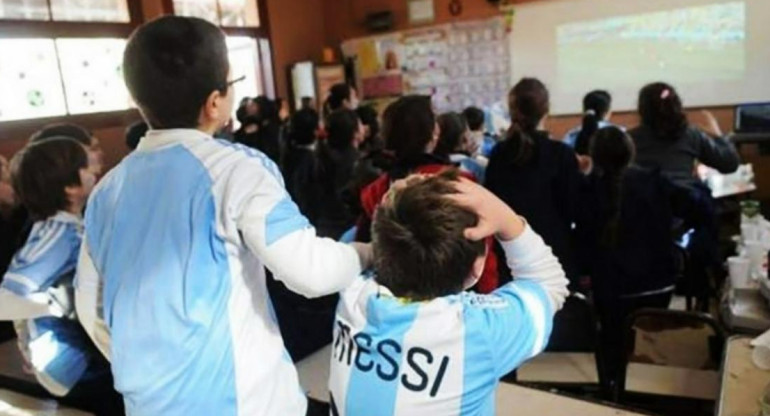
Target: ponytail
x: 590, y: 127
x: 523, y: 144
x: 612, y: 185
x: 528, y: 102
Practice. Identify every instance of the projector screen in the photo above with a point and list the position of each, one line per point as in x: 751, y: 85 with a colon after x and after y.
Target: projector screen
x: 715, y: 52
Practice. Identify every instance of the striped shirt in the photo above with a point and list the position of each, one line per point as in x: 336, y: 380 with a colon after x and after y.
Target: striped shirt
x: 444, y: 356
x: 57, y: 348
x: 171, y: 278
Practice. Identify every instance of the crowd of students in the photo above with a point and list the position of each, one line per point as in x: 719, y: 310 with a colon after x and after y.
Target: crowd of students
x: 440, y: 252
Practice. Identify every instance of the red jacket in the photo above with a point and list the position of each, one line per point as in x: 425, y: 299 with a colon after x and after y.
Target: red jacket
x: 372, y: 195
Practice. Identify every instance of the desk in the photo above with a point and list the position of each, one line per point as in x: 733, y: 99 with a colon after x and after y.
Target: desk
x: 314, y: 373
x: 742, y: 381
x: 15, y: 404
x: 746, y: 311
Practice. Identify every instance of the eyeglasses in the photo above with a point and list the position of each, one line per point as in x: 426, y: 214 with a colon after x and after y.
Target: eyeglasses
x: 239, y: 79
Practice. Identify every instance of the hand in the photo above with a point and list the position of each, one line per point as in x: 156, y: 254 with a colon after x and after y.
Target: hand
x: 706, y: 121
x: 495, y: 217
x: 585, y: 164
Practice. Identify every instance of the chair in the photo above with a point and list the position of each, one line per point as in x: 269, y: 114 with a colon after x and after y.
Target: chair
x: 572, y: 359
x: 672, y: 359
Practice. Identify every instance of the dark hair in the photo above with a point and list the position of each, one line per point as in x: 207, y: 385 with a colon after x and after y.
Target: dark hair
x: 269, y: 110
x: 420, y: 249
x: 72, y: 131
x: 43, y: 170
x: 368, y: 116
x: 453, y: 128
x: 660, y: 109
x: 528, y: 103
x: 408, y: 125
x: 612, y: 151
x: 341, y: 127
x: 596, y: 105
x: 475, y: 118
x: 135, y: 132
x: 171, y: 65
x: 303, y: 127
x: 337, y: 95
x: 306, y: 102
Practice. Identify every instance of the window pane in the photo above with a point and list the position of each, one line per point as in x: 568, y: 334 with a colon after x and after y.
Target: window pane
x: 24, y: 9
x: 205, y: 9
x: 239, y: 13
x: 90, y: 10
x: 93, y: 74
x: 30, y: 82
x: 244, y: 61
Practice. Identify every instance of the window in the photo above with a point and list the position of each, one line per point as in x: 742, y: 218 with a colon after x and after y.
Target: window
x: 227, y: 13
x: 55, y: 77
x: 67, y: 57
x: 92, y: 71
x: 28, y: 89
x: 244, y: 61
x: 66, y: 10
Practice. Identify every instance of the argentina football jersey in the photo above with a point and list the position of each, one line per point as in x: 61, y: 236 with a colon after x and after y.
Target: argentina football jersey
x: 445, y: 356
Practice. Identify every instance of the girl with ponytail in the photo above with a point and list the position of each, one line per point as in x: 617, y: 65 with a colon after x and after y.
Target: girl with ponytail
x: 535, y: 175
x: 666, y: 140
x: 624, y: 234
x: 597, y: 108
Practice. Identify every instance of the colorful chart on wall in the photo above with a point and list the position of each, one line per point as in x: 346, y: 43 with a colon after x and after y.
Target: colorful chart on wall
x: 458, y: 64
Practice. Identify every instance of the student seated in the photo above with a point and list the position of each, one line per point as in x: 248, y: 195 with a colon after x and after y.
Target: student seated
x: 455, y: 142
x: 486, y: 140
x: 409, y: 338
x: 597, y: 110
x: 53, y: 180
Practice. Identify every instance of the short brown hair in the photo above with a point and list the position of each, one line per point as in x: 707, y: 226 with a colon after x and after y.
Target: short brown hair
x: 419, y: 245
x: 41, y: 171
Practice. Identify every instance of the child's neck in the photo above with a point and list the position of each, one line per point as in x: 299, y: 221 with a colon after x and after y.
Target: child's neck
x: 76, y: 208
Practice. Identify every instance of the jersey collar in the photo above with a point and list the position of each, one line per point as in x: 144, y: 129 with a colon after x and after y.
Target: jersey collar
x: 155, y: 139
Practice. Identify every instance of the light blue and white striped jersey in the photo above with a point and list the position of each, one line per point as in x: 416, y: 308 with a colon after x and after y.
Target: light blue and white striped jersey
x: 57, y: 348
x: 570, y: 139
x: 470, y: 165
x: 171, y: 281
x: 444, y: 356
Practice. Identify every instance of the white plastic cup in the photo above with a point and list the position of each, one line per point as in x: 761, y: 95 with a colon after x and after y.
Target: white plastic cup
x: 756, y: 252
x: 740, y: 269
x: 751, y: 232
x: 761, y: 357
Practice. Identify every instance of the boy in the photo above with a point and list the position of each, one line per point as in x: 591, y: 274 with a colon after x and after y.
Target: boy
x: 410, y: 340
x: 52, y: 179
x: 486, y: 141
x: 171, y: 277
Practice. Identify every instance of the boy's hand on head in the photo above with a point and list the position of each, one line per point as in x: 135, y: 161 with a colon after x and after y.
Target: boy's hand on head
x: 495, y: 216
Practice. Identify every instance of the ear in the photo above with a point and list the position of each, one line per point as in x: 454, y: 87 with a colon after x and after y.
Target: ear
x: 211, y: 107
x: 476, y: 271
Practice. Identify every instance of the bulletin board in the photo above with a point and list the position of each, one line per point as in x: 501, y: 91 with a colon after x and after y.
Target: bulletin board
x: 458, y: 64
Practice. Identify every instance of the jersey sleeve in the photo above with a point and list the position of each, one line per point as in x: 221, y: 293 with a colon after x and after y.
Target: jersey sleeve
x: 48, y: 254
x: 519, y: 315
x: 282, y: 238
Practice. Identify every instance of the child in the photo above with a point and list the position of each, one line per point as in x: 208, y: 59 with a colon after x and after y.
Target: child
x: 53, y: 180
x: 455, y: 142
x: 411, y: 134
x: 81, y: 135
x: 486, y: 140
x: 171, y: 277
x: 410, y: 339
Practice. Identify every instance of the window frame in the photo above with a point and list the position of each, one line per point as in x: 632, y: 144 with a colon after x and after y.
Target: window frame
x: 257, y: 33
x: 53, y: 29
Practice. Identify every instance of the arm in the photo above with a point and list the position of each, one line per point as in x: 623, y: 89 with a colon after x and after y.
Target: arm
x: 273, y: 228
x: 716, y: 152
x: 88, y: 301
x: 520, y: 328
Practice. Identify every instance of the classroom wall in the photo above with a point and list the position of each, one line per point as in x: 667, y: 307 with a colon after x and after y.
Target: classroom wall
x: 297, y: 34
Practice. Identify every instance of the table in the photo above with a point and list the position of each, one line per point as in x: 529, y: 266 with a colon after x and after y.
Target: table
x: 746, y: 311
x: 314, y: 373
x: 742, y: 382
